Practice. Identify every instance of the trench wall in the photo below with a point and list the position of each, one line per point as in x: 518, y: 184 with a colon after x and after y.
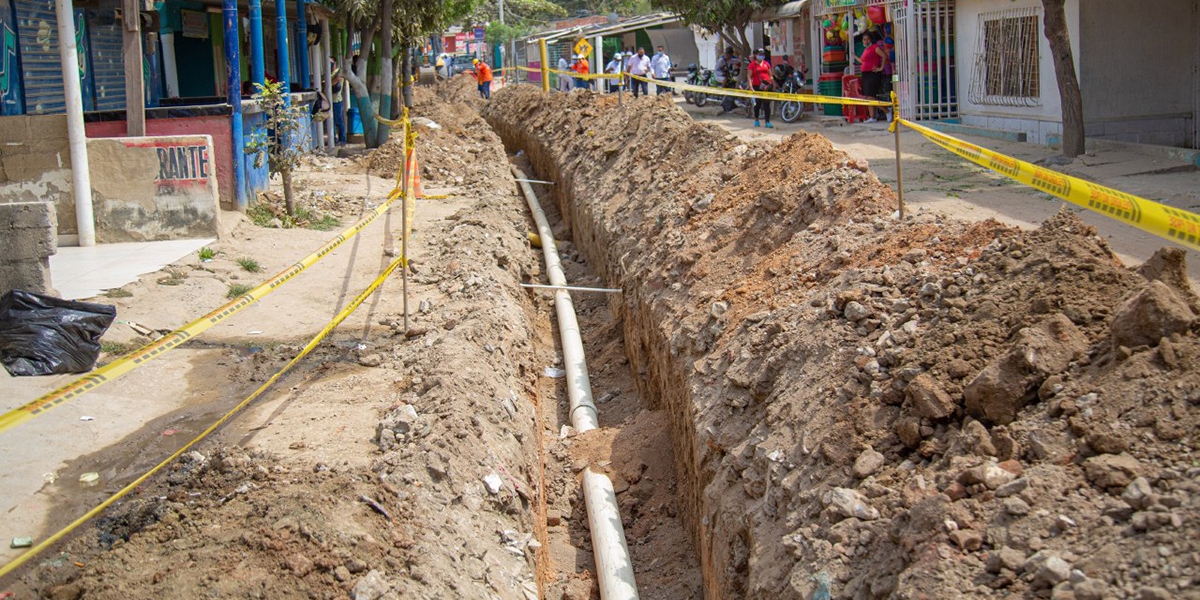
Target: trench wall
x: 664, y: 384
x: 826, y: 368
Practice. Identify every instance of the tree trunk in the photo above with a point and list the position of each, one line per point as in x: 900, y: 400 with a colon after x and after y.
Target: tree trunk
x: 1068, y: 80
x: 357, y: 76
x: 385, y: 72
x: 288, y: 198
x: 406, y: 76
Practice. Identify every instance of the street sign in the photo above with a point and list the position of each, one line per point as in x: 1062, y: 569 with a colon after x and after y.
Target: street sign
x: 479, y: 33
x: 583, y: 48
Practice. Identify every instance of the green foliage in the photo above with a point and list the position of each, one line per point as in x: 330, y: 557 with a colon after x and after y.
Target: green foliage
x: 117, y: 348
x: 726, y: 17
x: 207, y: 253
x: 249, y: 264
x: 118, y: 293
x: 173, y: 278
x: 282, y: 140
x: 260, y: 214
x: 238, y: 289
x: 623, y: 8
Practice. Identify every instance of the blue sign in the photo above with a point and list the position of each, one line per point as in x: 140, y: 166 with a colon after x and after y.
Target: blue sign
x: 479, y: 33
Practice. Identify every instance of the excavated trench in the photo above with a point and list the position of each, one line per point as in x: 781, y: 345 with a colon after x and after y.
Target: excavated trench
x: 846, y: 395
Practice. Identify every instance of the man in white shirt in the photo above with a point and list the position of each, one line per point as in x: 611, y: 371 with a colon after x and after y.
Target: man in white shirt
x: 565, y: 82
x: 660, y: 68
x: 639, y: 65
x: 614, y: 67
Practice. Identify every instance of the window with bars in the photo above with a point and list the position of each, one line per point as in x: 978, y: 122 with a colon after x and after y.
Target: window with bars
x: 1007, y: 59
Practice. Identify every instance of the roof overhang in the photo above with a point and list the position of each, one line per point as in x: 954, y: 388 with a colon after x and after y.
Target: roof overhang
x: 635, y: 24
x: 784, y: 11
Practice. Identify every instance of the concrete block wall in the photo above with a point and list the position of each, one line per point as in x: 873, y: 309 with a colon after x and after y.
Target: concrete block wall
x: 152, y: 188
x: 27, y: 240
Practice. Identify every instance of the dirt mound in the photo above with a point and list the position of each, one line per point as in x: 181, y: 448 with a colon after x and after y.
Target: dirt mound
x: 406, y: 461
x: 451, y: 140
x: 927, y: 408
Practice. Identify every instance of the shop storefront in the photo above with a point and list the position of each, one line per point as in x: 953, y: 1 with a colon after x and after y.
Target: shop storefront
x: 919, y: 36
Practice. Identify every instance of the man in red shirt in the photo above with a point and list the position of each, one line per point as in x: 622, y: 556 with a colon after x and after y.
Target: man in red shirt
x: 761, y: 80
x: 483, y: 75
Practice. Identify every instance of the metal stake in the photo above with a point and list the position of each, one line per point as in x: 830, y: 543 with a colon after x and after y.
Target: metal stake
x: 899, y: 167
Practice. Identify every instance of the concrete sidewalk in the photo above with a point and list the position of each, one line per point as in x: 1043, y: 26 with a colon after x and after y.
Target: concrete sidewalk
x: 80, y: 273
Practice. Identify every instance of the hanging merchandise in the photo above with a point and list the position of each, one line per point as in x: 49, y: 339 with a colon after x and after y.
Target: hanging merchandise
x: 877, y: 14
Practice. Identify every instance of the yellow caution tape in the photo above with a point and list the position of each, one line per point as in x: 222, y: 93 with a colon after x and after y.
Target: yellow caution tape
x: 160, y: 346
x: 780, y: 96
x: 585, y: 75
x: 1179, y: 226
x: 341, y: 316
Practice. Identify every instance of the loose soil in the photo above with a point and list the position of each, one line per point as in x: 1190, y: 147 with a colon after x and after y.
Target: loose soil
x: 800, y: 395
x: 924, y: 408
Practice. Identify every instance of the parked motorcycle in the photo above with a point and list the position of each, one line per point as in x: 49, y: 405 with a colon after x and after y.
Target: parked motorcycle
x: 791, y: 111
x: 704, y: 78
x: 692, y: 76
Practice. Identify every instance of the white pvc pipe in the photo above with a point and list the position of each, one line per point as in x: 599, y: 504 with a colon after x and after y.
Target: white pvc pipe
x: 579, y: 387
x: 80, y: 174
x: 614, y: 568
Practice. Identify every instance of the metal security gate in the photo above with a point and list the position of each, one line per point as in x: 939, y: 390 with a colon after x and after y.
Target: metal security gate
x: 37, y: 35
x: 925, y: 59
x: 108, y: 65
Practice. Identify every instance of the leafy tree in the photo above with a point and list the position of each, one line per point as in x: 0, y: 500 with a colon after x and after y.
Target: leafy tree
x: 728, y: 18
x: 403, y: 21
x: 284, y: 140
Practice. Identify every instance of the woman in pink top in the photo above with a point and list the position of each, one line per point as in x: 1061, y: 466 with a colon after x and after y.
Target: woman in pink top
x: 874, y: 60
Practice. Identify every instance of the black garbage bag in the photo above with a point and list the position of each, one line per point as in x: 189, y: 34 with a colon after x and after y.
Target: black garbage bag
x: 44, y: 335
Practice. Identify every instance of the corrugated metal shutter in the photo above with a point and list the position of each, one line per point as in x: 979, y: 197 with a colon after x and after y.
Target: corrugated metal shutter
x: 41, y: 66
x: 108, y: 65
x: 12, y: 95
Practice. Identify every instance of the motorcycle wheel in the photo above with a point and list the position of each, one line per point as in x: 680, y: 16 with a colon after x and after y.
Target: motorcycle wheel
x: 791, y: 112
x: 689, y: 97
x: 700, y: 99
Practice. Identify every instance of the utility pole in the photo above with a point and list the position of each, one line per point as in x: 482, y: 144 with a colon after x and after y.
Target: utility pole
x: 81, y: 179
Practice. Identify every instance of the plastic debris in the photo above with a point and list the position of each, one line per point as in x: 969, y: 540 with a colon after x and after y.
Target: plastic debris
x: 21, y: 542
x: 822, y: 591
x: 89, y: 479
x: 44, y: 335
x: 86, y: 418
x: 555, y: 373
x: 492, y: 482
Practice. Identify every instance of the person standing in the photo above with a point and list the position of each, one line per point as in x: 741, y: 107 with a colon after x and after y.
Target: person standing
x: 581, y: 68
x: 660, y: 68
x: 614, y: 67
x: 565, y: 82
x: 727, y: 71
x: 483, y: 75
x: 639, y: 65
x: 762, y: 81
x: 875, y: 61
x: 339, y: 107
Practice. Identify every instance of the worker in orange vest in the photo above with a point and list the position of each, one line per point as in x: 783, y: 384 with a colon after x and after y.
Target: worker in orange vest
x: 581, y: 68
x: 483, y: 75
